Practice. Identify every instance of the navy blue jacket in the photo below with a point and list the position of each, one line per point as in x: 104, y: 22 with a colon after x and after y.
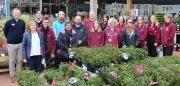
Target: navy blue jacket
x: 26, y: 45
x: 14, y: 30
x: 130, y: 40
x: 81, y: 34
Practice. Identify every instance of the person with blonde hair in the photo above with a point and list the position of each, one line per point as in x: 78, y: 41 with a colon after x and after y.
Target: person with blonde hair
x: 13, y: 31
x: 33, y: 50
x: 112, y: 35
x: 153, y: 36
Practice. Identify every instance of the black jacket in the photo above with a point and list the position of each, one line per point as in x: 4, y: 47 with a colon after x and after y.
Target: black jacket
x: 81, y: 34
x: 64, y: 42
x: 130, y: 40
x: 14, y: 31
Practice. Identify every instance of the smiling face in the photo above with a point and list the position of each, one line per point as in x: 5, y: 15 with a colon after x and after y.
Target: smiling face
x: 61, y: 15
x: 33, y: 26
x: 121, y: 19
x: 153, y: 19
x: 77, y: 20
x: 16, y: 13
x: 96, y: 25
x: 68, y: 26
x: 140, y: 20
x: 45, y: 23
x: 38, y: 15
x: 130, y: 23
x: 167, y: 19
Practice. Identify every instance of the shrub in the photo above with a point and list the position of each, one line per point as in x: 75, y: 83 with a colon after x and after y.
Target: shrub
x: 160, y: 71
x: 29, y: 78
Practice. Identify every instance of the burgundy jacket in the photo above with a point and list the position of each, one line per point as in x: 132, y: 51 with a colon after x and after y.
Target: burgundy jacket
x: 89, y: 24
x: 154, y: 31
x: 95, y: 39
x: 112, y: 37
x: 121, y: 26
x: 168, y: 33
x: 142, y: 30
x: 50, y: 39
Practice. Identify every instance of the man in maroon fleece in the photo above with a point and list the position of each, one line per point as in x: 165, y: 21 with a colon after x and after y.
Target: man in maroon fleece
x: 168, y: 33
x: 89, y: 22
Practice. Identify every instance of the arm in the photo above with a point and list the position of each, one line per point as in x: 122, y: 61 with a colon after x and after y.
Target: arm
x: 89, y: 39
x: 158, y: 35
x: 61, y: 44
x: 24, y: 44
x: 172, y: 33
x: 102, y: 39
x: 6, y: 29
x: 122, y: 38
x: 136, y: 38
x: 85, y: 35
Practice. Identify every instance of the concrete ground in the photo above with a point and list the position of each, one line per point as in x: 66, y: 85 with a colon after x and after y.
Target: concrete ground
x: 6, y: 81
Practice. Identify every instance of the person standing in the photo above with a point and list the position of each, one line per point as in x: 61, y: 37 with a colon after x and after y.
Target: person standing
x: 141, y: 27
x: 33, y: 50
x: 38, y: 18
x: 81, y: 35
x: 89, y: 22
x: 96, y: 36
x: 121, y: 24
x: 130, y: 35
x: 167, y: 37
x: 112, y: 35
x: 59, y: 24
x: 104, y: 22
x: 153, y: 36
x: 66, y: 40
x: 133, y: 16
x: 13, y: 31
x: 49, y: 39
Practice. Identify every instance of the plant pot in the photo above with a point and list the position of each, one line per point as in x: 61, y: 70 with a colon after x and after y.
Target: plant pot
x: 160, y: 53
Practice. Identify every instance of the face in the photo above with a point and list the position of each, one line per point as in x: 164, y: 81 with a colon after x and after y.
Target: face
x: 78, y: 20
x: 45, y: 23
x: 61, y: 15
x: 112, y: 23
x: 130, y: 23
x: 133, y: 13
x: 68, y: 27
x: 16, y: 14
x: 38, y: 15
x: 91, y: 15
x: 153, y: 19
x: 140, y: 20
x: 33, y: 26
x: 96, y: 25
x: 167, y: 19
x: 121, y: 19
x: 105, y: 18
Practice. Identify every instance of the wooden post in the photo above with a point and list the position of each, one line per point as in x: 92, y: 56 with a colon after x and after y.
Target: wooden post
x: 93, y: 6
x: 129, y: 4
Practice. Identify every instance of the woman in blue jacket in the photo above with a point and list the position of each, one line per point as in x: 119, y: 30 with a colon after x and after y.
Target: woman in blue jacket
x: 33, y: 50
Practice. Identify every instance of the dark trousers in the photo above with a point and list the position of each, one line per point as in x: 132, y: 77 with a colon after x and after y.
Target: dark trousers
x: 151, y: 48
x: 48, y: 58
x: 168, y: 50
x: 35, y: 63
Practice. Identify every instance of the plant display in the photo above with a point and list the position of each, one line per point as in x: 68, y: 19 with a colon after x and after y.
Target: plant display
x: 158, y: 72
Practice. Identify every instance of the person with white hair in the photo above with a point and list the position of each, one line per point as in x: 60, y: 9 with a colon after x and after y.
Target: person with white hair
x: 112, y: 35
x: 89, y: 22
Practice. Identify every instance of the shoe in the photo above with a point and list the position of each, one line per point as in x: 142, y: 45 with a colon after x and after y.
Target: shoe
x: 12, y: 80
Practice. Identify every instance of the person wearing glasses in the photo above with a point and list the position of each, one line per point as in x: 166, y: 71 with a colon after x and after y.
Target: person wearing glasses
x: 130, y: 36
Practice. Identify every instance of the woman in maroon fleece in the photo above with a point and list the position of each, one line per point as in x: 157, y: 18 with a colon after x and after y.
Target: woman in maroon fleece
x: 112, y: 35
x: 142, y: 30
x: 168, y: 33
x: 153, y: 36
x: 96, y: 36
x: 121, y: 24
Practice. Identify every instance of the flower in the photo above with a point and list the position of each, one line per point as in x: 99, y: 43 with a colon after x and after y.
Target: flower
x: 86, y: 76
x: 138, y: 69
x: 53, y: 83
x: 114, y: 74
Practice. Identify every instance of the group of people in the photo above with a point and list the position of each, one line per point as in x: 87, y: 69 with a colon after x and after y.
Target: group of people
x: 41, y: 40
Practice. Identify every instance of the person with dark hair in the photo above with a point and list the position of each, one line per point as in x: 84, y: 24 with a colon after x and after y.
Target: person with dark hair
x: 81, y: 35
x: 153, y: 36
x: 141, y: 27
x: 38, y: 17
x: 133, y: 16
x: 121, y: 24
x: 33, y: 50
x: 167, y: 37
x: 66, y: 40
x: 49, y: 39
x: 130, y: 36
x: 96, y: 36
x: 104, y: 22
x: 13, y: 31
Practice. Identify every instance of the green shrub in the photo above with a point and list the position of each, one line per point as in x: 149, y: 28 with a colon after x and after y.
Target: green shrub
x: 164, y: 71
x: 29, y: 78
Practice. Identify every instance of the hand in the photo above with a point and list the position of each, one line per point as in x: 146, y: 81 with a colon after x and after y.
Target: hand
x: 69, y: 49
x: 58, y: 51
x: 145, y: 43
x: 24, y: 60
x: 79, y: 42
x: 124, y: 46
x: 155, y: 44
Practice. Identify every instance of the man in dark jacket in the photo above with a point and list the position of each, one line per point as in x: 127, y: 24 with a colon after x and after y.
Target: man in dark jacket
x: 13, y: 30
x: 81, y: 36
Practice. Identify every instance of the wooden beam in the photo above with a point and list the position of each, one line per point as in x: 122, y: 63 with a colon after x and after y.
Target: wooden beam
x: 129, y: 4
x: 93, y: 6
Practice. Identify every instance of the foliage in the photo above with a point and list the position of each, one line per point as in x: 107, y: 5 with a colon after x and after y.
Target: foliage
x: 64, y: 73
x: 159, y: 71
x: 29, y: 78
x: 27, y: 18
